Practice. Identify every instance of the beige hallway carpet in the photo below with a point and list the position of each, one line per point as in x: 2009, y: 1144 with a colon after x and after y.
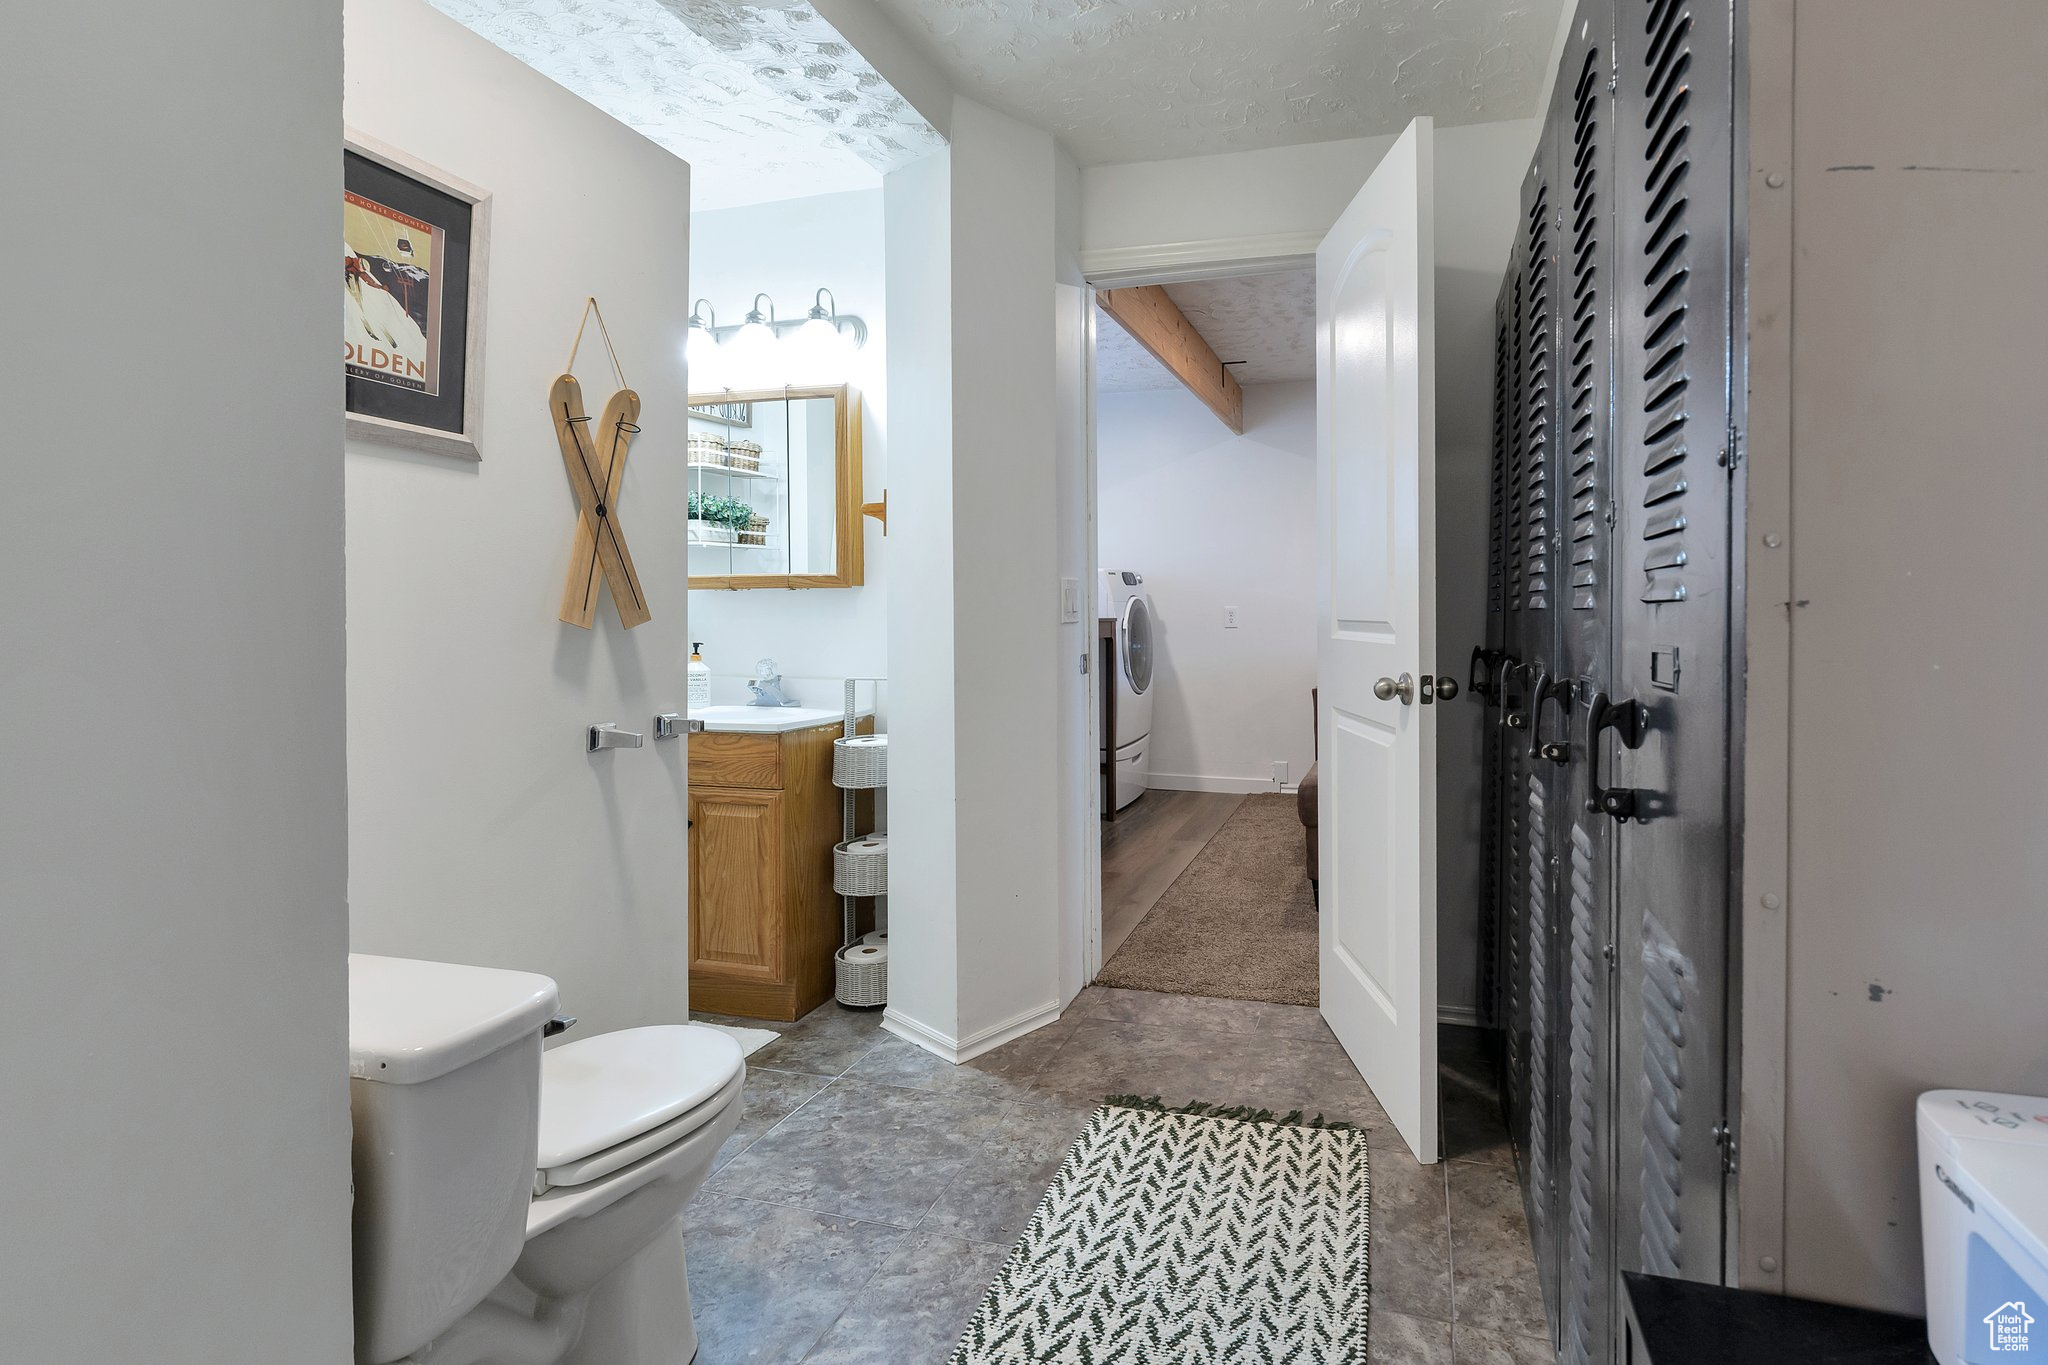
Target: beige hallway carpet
x: 1240, y: 923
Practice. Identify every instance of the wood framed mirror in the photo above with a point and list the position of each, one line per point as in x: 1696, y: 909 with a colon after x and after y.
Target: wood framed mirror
x: 775, y: 489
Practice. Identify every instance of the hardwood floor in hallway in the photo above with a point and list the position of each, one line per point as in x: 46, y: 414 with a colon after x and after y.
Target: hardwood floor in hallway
x: 1146, y: 847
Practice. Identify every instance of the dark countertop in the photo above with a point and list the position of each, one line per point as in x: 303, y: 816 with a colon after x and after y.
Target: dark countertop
x: 1677, y: 1322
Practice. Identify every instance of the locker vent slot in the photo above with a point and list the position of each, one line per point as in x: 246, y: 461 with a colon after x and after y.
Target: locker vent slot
x: 1588, y: 336
x: 1510, y: 437
x: 1511, y: 896
x: 1536, y: 425
x: 1664, y: 259
x: 1580, y: 1331
x: 1538, y: 887
x: 1496, y: 585
x: 1667, y: 978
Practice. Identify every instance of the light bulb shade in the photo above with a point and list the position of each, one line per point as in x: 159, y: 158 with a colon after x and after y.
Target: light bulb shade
x: 702, y: 353
x: 750, y: 358
x: 818, y: 353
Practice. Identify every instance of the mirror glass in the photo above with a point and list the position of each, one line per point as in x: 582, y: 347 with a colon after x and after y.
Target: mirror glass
x: 768, y: 494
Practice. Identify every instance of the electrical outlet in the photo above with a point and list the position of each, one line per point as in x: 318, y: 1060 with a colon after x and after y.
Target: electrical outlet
x: 1230, y: 618
x: 1279, y: 772
x: 1070, y: 600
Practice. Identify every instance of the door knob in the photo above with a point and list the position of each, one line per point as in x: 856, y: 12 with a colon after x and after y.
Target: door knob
x: 1386, y: 689
x: 1446, y: 687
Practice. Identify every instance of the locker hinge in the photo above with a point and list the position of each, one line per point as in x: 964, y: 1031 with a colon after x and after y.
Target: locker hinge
x: 1611, y: 956
x: 1724, y: 1138
x: 1731, y: 450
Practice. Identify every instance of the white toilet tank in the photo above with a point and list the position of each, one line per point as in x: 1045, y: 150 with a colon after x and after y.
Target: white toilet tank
x: 444, y: 1093
x: 1984, y: 1226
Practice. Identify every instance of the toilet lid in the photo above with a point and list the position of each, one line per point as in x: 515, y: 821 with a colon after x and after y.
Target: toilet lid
x: 598, y: 1092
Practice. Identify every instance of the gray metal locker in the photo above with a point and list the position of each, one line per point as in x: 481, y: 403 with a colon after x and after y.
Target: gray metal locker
x: 1663, y: 735
x: 1537, y: 789
x: 1607, y: 660
x: 1582, y: 148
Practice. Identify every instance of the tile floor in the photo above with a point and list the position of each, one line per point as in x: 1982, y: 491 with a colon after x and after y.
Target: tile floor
x: 872, y: 1190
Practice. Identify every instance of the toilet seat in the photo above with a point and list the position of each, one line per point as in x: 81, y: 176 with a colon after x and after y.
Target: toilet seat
x: 614, y: 1099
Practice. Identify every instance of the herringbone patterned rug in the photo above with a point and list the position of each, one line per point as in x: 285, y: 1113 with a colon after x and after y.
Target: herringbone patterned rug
x: 1192, y: 1240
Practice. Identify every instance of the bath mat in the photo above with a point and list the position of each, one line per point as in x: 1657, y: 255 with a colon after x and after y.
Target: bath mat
x: 1192, y: 1239
x: 1239, y: 923
x: 751, y: 1040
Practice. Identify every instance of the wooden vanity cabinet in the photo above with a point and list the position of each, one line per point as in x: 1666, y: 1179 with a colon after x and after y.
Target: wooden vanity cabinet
x: 764, y: 920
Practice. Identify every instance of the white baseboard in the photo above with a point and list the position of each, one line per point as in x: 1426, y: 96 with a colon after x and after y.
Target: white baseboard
x: 1458, y: 1014
x: 974, y: 1044
x: 1192, y: 782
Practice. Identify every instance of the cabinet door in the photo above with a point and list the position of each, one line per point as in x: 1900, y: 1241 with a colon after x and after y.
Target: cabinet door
x: 736, y: 920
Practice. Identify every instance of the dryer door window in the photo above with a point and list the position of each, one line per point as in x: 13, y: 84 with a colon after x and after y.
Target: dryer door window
x: 1137, y: 633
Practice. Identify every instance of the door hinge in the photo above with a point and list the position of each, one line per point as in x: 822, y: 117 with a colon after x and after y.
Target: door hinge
x: 1084, y: 663
x: 1731, y: 452
x: 1724, y: 1138
x: 1613, y: 958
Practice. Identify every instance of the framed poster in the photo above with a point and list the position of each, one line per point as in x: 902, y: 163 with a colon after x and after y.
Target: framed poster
x: 414, y: 246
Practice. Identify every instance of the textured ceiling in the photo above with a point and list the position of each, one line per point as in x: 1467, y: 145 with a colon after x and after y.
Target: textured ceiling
x: 764, y: 101
x: 1266, y: 321
x: 1135, y: 80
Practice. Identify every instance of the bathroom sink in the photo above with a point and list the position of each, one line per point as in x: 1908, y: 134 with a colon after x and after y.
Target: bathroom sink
x: 766, y: 720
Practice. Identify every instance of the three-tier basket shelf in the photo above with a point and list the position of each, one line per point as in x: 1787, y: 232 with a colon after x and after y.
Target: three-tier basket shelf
x: 860, y: 864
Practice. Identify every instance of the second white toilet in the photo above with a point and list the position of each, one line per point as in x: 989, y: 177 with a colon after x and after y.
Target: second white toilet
x: 515, y: 1206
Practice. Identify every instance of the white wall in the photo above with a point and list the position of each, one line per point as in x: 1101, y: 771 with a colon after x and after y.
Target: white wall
x: 1080, y: 785
x: 479, y: 829
x: 923, y: 934
x: 1272, y: 192
x: 1007, y: 635
x: 1293, y: 194
x: 172, y: 836
x: 975, y: 598
x: 788, y: 249
x: 1213, y: 519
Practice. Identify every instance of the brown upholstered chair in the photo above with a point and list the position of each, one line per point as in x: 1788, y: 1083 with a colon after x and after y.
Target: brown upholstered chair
x: 1305, y: 799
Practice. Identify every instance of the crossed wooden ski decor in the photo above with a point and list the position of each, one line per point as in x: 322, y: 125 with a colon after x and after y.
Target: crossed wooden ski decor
x: 595, y: 456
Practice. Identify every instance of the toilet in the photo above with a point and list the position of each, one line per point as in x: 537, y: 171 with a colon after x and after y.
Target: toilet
x: 515, y: 1206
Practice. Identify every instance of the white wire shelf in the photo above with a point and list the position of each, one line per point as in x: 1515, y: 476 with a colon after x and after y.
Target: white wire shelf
x: 730, y: 472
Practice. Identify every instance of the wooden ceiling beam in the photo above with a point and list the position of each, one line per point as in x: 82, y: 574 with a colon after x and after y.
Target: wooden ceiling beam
x: 1156, y: 323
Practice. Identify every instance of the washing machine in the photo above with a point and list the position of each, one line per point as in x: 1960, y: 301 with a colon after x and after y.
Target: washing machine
x: 1984, y: 1225
x: 1123, y: 600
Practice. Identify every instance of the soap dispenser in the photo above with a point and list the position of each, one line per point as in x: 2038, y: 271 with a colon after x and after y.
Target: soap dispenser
x: 700, y: 677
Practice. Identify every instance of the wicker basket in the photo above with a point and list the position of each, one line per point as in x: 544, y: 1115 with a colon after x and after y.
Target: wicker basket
x: 860, y: 867
x: 862, y: 975
x: 860, y: 763
x: 756, y: 532
x: 744, y: 455
x: 707, y: 450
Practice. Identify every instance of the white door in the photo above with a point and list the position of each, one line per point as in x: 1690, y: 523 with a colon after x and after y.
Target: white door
x: 1376, y: 628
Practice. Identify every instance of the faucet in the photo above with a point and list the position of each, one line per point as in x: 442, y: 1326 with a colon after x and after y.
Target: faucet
x: 766, y: 685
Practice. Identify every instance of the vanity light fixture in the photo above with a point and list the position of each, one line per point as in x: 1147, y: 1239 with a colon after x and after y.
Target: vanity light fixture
x: 820, y: 352
x: 748, y: 356
x: 700, y: 351
x: 750, y: 359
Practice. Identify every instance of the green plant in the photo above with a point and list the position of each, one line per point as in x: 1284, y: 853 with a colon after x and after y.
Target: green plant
x: 721, y: 511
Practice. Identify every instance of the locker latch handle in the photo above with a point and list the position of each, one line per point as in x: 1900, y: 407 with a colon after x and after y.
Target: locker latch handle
x: 1511, y: 710
x: 1559, y: 690
x: 1628, y: 720
x: 1479, y: 677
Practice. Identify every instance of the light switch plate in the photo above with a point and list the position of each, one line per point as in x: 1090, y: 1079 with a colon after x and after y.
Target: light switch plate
x: 1070, y: 600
